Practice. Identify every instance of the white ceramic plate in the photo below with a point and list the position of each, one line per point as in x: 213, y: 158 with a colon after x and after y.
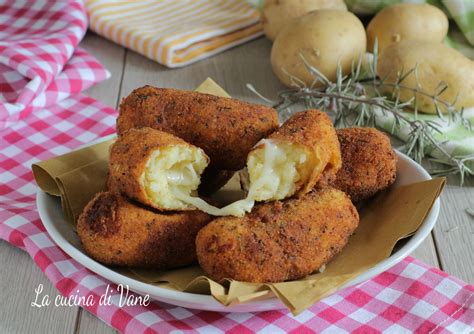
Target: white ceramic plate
x: 49, y: 208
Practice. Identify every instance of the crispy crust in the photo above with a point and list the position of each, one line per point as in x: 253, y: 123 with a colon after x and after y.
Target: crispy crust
x: 278, y: 241
x: 116, y: 232
x: 313, y: 129
x: 226, y: 129
x: 369, y: 163
x: 128, y: 158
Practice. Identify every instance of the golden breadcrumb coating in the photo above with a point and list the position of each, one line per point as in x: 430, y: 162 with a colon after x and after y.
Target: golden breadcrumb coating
x: 115, y: 231
x: 226, y: 129
x: 369, y: 163
x: 280, y: 240
x: 291, y: 160
x: 152, y: 167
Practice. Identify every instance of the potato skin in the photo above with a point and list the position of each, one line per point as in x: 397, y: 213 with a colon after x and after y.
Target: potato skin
x: 117, y: 232
x: 277, y: 14
x: 128, y: 158
x: 280, y: 240
x: 226, y: 129
x: 323, y: 38
x: 369, y: 163
x: 436, y: 63
x: 407, y: 21
x: 313, y: 129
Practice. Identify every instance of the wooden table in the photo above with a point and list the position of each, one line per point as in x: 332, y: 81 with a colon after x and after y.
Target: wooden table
x: 450, y: 246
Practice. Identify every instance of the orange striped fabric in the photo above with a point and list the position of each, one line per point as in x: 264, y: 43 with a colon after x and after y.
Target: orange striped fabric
x: 175, y: 32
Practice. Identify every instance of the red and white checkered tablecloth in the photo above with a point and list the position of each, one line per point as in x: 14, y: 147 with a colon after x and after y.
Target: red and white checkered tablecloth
x: 43, y: 114
x: 40, y: 63
x: 410, y: 297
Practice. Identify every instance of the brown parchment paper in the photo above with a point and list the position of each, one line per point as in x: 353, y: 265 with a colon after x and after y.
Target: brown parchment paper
x: 391, y: 216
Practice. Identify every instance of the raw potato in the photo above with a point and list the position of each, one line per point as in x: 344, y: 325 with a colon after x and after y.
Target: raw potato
x: 324, y: 38
x: 437, y: 63
x: 407, y: 21
x: 277, y: 13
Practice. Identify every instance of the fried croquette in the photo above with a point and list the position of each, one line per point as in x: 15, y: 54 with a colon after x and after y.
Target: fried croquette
x: 115, y: 231
x: 292, y: 159
x: 369, y: 163
x: 225, y: 128
x: 280, y: 240
x: 153, y: 167
x: 162, y: 171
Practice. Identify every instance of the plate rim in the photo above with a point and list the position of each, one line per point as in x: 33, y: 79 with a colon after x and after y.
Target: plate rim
x: 171, y: 296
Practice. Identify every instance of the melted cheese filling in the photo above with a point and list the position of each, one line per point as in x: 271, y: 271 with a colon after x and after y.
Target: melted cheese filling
x: 237, y: 209
x: 275, y: 168
x: 173, y: 169
x: 172, y: 176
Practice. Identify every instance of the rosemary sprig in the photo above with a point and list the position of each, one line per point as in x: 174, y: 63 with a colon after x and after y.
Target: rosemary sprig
x: 358, y: 99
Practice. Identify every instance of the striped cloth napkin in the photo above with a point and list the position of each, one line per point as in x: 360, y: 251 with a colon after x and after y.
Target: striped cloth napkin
x: 175, y: 33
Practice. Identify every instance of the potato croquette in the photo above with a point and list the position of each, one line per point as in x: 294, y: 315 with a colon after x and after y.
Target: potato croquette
x: 226, y: 129
x: 154, y: 167
x: 162, y: 171
x: 280, y: 240
x: 292, y: 159
x: 369, y: 163
x: 115, y: 231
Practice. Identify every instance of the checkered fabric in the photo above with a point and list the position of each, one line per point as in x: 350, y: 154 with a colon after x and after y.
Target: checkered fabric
x: 39, y: 61
x: 410, y: 297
